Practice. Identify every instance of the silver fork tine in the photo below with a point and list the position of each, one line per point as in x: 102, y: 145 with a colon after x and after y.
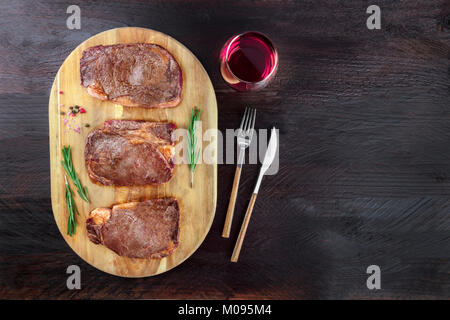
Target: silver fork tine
x: 250, y: 120
x: 247, y: 119
x: 243, y: 118
x: 253, y: 123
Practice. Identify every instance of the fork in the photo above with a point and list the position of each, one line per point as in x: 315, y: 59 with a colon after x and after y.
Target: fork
x: 244, y: 138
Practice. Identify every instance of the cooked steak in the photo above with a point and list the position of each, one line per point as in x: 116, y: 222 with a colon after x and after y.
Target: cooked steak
x: 135, y: 75
x: 147, y: 229
x: 130, y: 153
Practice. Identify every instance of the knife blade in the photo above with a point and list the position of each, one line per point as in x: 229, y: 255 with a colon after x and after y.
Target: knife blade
x: 268, y: 157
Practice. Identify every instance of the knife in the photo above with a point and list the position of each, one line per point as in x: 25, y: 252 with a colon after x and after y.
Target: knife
x: 268, y: 159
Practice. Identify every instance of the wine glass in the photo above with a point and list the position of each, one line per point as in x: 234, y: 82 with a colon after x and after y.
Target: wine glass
x: 248, y: 61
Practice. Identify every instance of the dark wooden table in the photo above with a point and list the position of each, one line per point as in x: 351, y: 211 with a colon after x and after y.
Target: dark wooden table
x: 364, y: 178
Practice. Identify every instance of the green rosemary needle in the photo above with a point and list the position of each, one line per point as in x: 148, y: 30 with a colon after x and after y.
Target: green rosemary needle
x: 71, y: 208
x: 70, y: 170
x: 192, y: 152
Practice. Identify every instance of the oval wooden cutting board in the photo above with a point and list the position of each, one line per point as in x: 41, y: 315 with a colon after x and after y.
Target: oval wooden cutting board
x: 197, y: 205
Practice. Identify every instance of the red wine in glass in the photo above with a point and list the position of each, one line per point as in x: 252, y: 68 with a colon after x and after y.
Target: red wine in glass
x: 248, y: 61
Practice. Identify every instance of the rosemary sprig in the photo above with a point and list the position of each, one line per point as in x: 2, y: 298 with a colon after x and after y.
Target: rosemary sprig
x: 71, y: 208
x: 192, y: 151
x: 70, y: 170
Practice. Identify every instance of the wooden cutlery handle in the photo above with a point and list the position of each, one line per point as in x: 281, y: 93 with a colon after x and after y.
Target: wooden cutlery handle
x: 230, y: 211
x: 240, y: 239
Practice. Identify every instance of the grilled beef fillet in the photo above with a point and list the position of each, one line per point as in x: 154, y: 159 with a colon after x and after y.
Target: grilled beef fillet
x: 130, y: 153
x: 135, y: 75
x: 147, y: 229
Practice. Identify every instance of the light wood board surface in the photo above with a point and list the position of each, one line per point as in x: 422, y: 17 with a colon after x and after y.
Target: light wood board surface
x: 197, y: 205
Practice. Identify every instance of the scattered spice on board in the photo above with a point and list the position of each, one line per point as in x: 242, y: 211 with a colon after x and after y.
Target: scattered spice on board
x: 71, y: 114
x: 76, y: 109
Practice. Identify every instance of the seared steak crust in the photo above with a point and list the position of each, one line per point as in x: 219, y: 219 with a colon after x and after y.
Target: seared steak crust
x: 148, y: 229
x: 130, y: 153
x: 135, y: 75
